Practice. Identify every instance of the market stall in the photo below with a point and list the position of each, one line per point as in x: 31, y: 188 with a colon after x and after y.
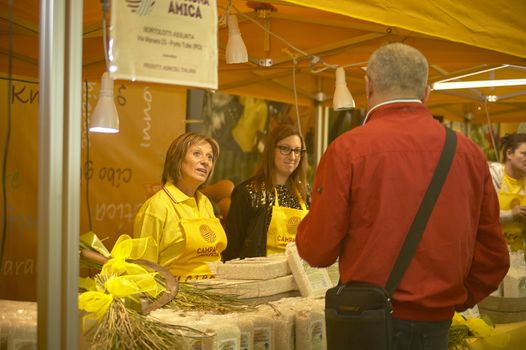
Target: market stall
x: 353, y: 36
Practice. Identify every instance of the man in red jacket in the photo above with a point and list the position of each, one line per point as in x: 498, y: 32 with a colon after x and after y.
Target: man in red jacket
x: 368, y: 187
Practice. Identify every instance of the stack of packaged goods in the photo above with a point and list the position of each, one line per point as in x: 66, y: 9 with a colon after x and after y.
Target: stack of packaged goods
x: 308, y: 322
x: 286, y: 305
x: 18, y: 325
x: 223, y: 333
x: 259, y: 279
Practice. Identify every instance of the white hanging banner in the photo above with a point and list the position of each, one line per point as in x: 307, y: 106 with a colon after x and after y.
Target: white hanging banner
x: 162, y: 41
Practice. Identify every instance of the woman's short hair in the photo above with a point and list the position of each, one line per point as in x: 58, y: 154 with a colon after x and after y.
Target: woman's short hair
x: 297, y: 181
x: 177, y: 152
x: 510, y: 142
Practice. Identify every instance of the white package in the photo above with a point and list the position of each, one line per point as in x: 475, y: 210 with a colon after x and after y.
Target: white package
x: 257, y: 268
x: 311, y: 281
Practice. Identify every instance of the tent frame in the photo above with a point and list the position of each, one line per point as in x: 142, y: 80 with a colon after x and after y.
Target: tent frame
x: 59, y: 168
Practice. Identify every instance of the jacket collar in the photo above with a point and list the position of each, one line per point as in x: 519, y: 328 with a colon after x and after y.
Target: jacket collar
x: 389, y: 102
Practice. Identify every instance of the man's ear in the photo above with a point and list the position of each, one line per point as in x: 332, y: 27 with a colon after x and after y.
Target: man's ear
x: 426, y: 94
x: 368, y: 87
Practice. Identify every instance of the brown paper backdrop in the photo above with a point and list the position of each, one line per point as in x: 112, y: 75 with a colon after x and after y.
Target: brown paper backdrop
x: 122, y: 168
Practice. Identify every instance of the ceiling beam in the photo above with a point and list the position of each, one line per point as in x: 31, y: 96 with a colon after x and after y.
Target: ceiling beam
x: 20, y: 57
x: 348, y: 24
x: 463, y: 72
x: 253, y: 80
x: 24, y: 27
x: 511, y: 95
x: 514, y: 108
x: 299, y: 91
x: 340, y: 45
x: 475, y: 95
x: 93, y: 31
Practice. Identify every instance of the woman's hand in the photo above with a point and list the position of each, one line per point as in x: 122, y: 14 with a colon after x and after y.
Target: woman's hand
x: 519, y: 213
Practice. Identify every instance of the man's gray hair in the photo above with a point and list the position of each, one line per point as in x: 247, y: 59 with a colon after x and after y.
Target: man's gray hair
x: 398, y: 70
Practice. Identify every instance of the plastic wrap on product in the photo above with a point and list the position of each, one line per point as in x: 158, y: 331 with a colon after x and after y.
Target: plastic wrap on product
x: 223, y: 332
x: 18, y: 325
x: 312, y: 282
x: 310, y: 329
x: 258, y: 268
x: 514, y: 283
x: 246, y: 328
x: 263, y: 330
x: 283, y: 324
x: 309, y: 321
x: 247, y: 289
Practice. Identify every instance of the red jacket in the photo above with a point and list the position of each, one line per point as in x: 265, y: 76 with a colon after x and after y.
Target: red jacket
x: 366, y: 192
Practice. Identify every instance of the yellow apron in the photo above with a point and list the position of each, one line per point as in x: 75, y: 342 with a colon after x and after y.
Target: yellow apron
x: 511, y: 194
x: 283, y: 225
x: 205, y: 240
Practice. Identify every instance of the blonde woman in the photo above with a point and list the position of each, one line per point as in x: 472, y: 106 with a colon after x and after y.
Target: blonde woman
x: 185, y: 233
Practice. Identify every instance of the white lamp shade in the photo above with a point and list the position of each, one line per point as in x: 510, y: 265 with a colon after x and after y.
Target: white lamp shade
x: 236, y: 51
x: 105, y: 118
x: 342, y: 99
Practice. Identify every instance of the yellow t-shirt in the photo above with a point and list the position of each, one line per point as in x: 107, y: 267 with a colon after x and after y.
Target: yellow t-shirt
x: 158, y: 219
x: 512, y: 193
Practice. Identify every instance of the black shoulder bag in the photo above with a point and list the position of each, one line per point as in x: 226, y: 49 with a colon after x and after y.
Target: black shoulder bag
x: 358, y: 314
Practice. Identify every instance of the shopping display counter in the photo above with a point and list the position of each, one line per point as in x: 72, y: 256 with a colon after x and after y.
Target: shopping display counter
x: 18, y: 326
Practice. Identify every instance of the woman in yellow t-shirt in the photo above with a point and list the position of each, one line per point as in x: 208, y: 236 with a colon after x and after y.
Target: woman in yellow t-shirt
x: 185, y: 233
x: 510, y: 183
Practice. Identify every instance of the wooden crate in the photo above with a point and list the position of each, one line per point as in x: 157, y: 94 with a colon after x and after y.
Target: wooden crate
x: 504, y: 310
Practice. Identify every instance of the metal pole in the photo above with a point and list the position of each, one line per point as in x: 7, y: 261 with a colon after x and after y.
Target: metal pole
x: 72, y: 173
x: 60, y: 65
x: 50, y: 146
x: 325, y: 129
x: 318, y: 129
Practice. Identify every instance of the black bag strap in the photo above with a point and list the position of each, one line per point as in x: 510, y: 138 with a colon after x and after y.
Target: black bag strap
x: 423, y: 213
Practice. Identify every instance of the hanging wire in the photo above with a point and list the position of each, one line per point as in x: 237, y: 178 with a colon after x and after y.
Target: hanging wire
x: 105, y: 6
x: 8, y: 129
x: 223, y: 20
x: 314, y: 59
x: 88, y: 206
x: 491, y: 133
x: 294, y: 89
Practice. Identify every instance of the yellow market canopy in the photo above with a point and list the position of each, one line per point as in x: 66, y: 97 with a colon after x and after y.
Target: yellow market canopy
x: 457, y: 38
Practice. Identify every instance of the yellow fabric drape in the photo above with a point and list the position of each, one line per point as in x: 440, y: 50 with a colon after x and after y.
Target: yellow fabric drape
x: 494, y: 25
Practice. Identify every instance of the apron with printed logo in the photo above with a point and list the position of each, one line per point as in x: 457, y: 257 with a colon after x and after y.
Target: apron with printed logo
x: 511, y: 194
x: 283, y: 225
x: 205, y: 240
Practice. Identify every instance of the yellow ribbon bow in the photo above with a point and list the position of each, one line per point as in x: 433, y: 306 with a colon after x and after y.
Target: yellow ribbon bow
x: 88, y: 284
x: 125, y: 248
x: 91, y: 240
x: 96, y: 303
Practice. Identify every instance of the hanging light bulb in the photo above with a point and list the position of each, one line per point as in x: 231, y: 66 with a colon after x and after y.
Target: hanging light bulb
x: 236, y: 51
x: 105, y: 118
x: 342, y: 99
